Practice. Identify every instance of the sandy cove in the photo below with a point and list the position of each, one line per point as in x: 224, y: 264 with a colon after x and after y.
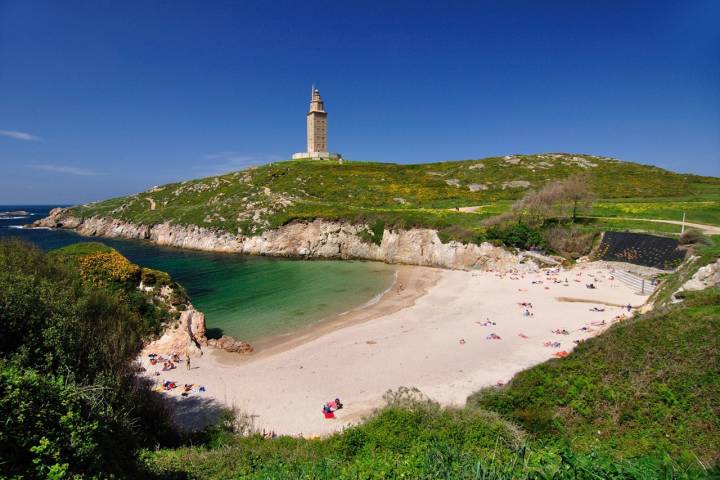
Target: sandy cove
x: 426, y: 332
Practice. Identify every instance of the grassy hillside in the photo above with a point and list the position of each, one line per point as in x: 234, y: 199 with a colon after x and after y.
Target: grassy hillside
x: 257, y: 199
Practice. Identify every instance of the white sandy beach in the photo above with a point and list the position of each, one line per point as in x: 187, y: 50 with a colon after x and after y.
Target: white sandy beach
x: 427, y: 334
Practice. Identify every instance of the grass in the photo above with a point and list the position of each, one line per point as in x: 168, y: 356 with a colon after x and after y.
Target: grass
x: 77, y: 250
x: 425, y: 195
x: 414, y: 441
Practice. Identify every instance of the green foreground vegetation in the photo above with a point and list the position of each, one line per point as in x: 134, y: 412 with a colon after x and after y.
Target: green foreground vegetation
x: 425, y: 195
x: 71, y: 324
x: 639, y: 401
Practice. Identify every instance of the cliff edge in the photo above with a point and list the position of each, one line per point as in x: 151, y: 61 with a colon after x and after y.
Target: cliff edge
x: 305, y: 239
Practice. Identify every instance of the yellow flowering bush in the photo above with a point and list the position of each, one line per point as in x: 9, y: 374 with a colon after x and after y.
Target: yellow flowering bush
x: 102, y: 269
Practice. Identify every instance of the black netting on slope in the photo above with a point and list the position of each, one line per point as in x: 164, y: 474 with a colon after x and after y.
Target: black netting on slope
x: 641, y: 249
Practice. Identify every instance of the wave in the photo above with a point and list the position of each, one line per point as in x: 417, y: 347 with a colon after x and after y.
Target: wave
x: 13, y: 218
x: 374, y: 299
x: 25, y: 227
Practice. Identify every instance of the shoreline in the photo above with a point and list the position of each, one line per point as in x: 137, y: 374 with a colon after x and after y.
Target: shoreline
x: 437, y: 337
x: 415, y: 282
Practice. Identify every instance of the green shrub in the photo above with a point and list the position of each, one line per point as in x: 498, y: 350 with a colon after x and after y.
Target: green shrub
x: 155, y: 278
x: 70, y: 404
x: 516, y: 235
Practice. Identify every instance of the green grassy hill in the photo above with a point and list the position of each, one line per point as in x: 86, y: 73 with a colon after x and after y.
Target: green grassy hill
x: 262, y: 198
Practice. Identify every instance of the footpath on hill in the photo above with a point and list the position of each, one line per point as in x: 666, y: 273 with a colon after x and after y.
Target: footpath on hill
x: 706, y: 229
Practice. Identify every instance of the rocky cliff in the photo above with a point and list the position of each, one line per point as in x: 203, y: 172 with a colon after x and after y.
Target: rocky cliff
x: 315, y: 239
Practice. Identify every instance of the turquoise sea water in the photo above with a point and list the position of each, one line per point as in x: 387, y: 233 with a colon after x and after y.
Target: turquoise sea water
x: 251, y: 298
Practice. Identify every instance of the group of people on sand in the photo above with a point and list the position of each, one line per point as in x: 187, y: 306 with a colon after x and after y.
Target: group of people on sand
x: 171, y: 364
x: 168, y: 364
x: 331, y: 407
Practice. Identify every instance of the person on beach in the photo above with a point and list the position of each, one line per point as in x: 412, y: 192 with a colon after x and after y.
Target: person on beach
x: 187, y: 361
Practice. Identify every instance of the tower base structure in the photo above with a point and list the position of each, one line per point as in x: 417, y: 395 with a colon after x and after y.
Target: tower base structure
x: 316, y: 156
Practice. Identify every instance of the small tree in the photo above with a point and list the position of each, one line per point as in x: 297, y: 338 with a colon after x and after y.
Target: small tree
x: 555, y: 200
x: 538, y: 206
x: 577, y: 192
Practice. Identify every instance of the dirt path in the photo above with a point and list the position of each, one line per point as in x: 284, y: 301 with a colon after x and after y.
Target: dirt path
x: 706, y: 229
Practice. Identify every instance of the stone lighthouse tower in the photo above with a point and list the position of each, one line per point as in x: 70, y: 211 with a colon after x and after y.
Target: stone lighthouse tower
x: 316, y: 124
x: 317, y: 139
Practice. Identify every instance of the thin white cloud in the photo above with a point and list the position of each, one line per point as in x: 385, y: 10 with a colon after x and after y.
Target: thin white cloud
x: 68, y: 169
x: 26, y: 137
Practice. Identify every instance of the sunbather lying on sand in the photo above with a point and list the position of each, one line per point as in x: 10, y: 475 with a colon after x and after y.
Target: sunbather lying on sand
x: 486, y: 323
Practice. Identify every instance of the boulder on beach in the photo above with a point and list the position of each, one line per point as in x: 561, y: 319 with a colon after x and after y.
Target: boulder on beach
x: 230, y: 344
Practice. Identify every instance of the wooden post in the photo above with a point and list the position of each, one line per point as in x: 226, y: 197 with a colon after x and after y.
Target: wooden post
x: 682, y: 230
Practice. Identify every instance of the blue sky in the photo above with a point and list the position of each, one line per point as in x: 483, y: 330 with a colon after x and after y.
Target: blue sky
x: 105, y: 98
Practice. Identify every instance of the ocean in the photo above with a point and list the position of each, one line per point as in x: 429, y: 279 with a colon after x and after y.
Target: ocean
x: 252, y: 298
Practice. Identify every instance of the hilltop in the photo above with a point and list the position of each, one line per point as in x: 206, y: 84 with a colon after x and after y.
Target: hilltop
x: 258, y: 199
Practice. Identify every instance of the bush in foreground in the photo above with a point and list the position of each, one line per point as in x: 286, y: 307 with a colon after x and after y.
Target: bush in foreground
x: 70, y: 404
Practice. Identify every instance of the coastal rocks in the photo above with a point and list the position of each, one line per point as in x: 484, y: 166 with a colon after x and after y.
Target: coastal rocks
x: 187, y: 337
x: 542, y: 260
x: 230, y: 344
x: 313, y: 239
x: 705, y: 277
x: 14, y: 214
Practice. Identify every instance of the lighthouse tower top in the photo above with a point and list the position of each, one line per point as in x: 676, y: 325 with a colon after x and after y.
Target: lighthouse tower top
x: 316, y: 101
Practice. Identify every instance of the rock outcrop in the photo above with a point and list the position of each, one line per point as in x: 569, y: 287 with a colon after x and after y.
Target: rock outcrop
x: 187, y: 337
x: 230, y: 344
x: 705, y: 277
x: 312, y: 239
